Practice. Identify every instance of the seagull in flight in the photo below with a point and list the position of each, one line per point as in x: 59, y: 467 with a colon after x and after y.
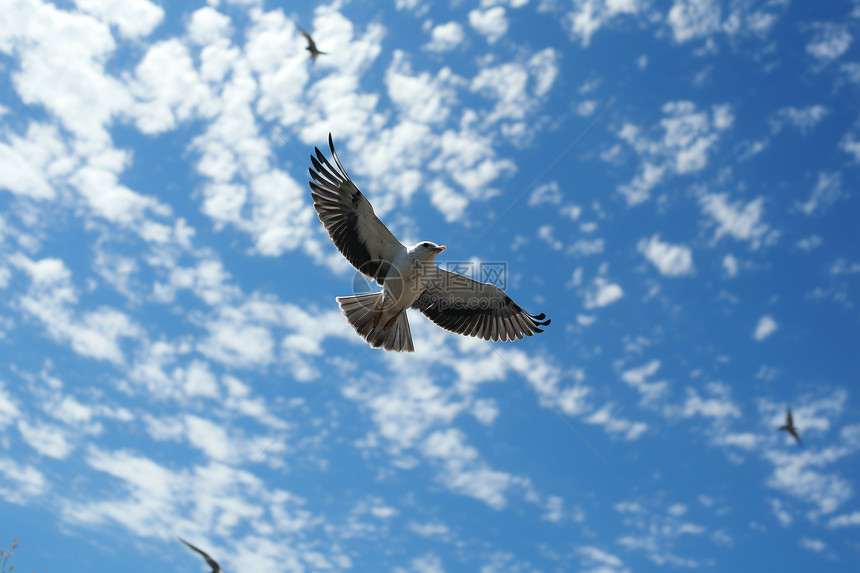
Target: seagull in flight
x: 408, y: 275
x: 789, y: 425
x: 312, y: 47
x: 212, y: 563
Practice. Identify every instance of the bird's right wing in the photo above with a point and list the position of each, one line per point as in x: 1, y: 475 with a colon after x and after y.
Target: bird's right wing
x: 349, y: 218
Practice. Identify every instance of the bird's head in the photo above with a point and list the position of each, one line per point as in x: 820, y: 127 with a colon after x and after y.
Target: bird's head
x: 428, y: 250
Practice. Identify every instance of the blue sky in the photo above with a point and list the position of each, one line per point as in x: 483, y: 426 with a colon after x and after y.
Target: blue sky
x: 673, y: 183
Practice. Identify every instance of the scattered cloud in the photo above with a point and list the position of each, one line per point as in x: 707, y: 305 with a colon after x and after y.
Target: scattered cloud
x: 491, y: 23
x: 445, y: 37
x: 827, y: 191
x: 588, y: 16
x: 738, y: 220
x: 688, y: 137
x: 671, y: 260
x: 765, y: 327
x: 829, y: 42
x: 602, y: 293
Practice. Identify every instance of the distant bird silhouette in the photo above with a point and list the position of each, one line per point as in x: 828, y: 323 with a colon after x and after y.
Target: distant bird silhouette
x: 212, y: 563
x: 312, y: 47
x: 789, y: 425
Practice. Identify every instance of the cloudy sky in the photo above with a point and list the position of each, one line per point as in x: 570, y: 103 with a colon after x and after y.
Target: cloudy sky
x: 674, y: 183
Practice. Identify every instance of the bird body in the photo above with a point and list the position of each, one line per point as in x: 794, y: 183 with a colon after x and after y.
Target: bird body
x: 312, y: 47
x: 408, y: 275
x: 381, y: 317
x: 789, y: 426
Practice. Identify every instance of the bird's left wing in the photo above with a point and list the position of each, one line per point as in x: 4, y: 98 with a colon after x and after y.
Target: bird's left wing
x: 465, y: 306
x: 310, y: 40
x: 212, y: 563
x: 349, y: 218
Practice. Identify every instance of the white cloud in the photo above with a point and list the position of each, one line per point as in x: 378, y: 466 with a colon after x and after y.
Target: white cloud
x: 168, y: 88
x: 602, y: 293
x: 637, y: 378
x: 238, y: 338
x: 46, y: 439
x: 445, y: 37
x: 815, y: 545
x: 546, y: 235
x: 799, y: 477
x: 691, y: 19
x: 447, y: 201
x: 829, y: 42
x: 742, y: 222
x: 463, y: 472
x: 430, y: 529
x: 631, y: 431
x: 148, y: 499
x: 746, y: 440
x: 8, y: 410
x: 420, y: 97
x: 51, y: 300
x: 671, y: 260
x: 134, y: 18
x: 517, y: 88
x: 21, y: 483
x: 491, y: 23
x: 806, y: 474
x: 548, y: 193
x: 785, y: 519
x: 850, y: 145
x: 606, y: 561
x: 689, y: 136
x: 719, y: 406
x: 31, y: 164
x: 803, y: 119
x: 208, y: 26
x: 730, y: 263
x: 765, y: 327
x: 588, y: 16
x: 846, y: 520
x: 827, y: 191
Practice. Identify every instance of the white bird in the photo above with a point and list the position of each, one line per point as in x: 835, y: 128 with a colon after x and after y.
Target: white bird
x: 408, y: 275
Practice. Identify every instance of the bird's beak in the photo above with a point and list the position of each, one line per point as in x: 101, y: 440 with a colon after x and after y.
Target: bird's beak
x: 440, y: 248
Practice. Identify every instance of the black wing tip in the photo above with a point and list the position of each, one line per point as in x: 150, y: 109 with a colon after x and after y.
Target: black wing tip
x: 539, y: 319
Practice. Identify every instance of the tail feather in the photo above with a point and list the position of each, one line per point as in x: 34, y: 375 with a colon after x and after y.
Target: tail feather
x: 360, y: 312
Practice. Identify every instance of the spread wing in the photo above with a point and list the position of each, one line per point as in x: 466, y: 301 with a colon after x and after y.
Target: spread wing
x: 349, y: 218
x: 793, y: 432
x: 465, y: 306
x: 789, y: 421
x: 312, y: 47
x: 212, y: 563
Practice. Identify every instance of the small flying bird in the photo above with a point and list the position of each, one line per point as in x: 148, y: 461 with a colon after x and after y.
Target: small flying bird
x: 312, y: 47
x: 212, y: 563
x: 408, y: 275
x: 789, y: 425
